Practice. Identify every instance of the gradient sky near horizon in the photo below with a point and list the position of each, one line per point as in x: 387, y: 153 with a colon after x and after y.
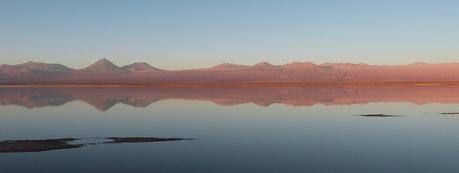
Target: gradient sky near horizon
x: 174, y: 34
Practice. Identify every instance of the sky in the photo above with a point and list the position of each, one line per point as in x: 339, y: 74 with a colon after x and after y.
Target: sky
x: 173, y: 34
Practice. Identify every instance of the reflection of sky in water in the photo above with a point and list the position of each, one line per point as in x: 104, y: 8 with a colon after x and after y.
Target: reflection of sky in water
x: 243, y: 137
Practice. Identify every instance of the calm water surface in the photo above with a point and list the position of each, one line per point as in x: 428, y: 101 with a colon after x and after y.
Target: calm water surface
x: 236, y: 129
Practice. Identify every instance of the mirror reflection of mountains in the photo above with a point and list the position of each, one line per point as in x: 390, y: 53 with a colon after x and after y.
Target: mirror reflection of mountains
x: 103, y: 98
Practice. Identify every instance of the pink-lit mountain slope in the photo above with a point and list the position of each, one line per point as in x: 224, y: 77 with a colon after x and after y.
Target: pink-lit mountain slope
x: 105, y: 72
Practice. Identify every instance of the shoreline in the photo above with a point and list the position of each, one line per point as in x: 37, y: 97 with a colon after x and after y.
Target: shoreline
x: 245, y: 84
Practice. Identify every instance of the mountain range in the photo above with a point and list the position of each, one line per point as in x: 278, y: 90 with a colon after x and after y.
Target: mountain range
x: 105, y: 72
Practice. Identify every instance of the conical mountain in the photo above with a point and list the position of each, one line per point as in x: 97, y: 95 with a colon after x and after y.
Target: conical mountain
x: 140, y: 67
x: 102, y: 66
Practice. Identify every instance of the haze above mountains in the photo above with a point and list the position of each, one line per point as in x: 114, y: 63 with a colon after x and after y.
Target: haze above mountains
x: 105, y: 72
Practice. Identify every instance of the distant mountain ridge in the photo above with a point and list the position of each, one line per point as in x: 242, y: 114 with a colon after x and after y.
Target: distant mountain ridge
x: 105, y: 72
x: 34, y: 68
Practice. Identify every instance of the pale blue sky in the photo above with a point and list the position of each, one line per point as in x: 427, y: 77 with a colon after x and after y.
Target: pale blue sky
x: 188, y: 34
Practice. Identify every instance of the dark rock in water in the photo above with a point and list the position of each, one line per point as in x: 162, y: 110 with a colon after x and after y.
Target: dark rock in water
x: 22, y: 146
x: 450, y: 113
x: 15, y: 146
x: 117, y: 140
x: 379, y: 115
